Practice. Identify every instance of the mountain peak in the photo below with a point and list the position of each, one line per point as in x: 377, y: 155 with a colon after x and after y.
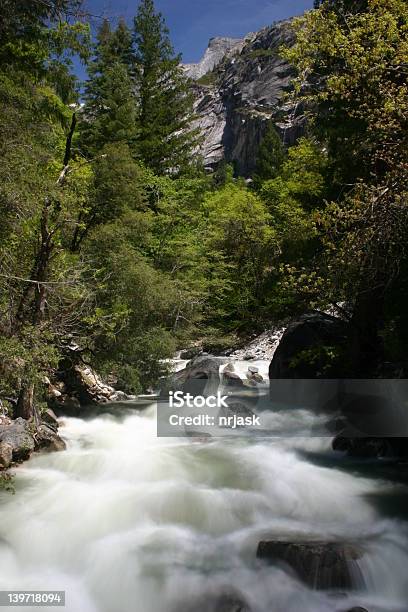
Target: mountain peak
x: 218, y: 48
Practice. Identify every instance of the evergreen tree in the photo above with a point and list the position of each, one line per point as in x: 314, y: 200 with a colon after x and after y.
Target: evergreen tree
x: 110, y: 112
x: 166, y: 140
x: 271, y: 156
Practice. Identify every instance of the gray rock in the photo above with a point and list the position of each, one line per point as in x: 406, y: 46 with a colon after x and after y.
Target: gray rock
x: 236, y: 408
x: 246, y: 93
x: 190, y: 353
x: 310, y: 332
x: 253, y: 370
x: 47, y: 440
x: 19, y: 437
x: 320, y: 565
x: 6, y: 455
x: 232, y: 379
x: 255, y: 378
x: 200, y: 377
x: 50, y: 418
x: 216, y: 51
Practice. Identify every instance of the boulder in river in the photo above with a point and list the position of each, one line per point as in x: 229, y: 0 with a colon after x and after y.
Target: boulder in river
x: 48, y: 440
x: 200, y: 377
x: 191, y: 353
x: 303, y: 350
x: 19, y: 436
x: 371, y: 447
x: 320, y: 565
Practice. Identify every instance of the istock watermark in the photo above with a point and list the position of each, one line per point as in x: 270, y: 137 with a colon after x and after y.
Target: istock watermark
x: 179, y: 399
x: 188, y: 414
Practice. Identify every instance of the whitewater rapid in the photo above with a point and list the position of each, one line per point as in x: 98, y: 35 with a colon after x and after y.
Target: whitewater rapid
x: 125, y: 521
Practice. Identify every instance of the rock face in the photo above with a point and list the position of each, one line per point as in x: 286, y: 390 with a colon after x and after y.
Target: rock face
x: 243, y: 92
x: 320, y: 565
x: 218, y: 48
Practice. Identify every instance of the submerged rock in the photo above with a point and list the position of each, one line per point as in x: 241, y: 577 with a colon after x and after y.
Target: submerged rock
x: 226, y: 601
x: 320, y: 565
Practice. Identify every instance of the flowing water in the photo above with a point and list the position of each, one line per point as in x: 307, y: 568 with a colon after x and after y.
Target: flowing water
x: 124, y: 521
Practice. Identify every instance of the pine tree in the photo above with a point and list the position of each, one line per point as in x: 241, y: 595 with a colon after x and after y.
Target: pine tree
x: 110, y: 111
x: 166, y: 139
x: 271, y: 156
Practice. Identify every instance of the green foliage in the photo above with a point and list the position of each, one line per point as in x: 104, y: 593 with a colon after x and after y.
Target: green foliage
x: 166, y: 140
x: 110, y: 113
x: 353, y: 55
x: 240, y: 243
x: 209, y: 79
x: 271, y: 156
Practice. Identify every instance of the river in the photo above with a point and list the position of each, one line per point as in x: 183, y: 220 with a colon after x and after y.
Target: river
x: 124, y: 521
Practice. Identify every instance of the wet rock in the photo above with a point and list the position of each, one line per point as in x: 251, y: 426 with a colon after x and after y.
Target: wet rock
x: 371, y: 448
x: 50, y: 418
x: 311, y: 333
x: 80, y: 386
x: 227, y: 601
x: 200, y: 377
x: 191, y: 353
x: 68, y: 405
x: 236, y: 408
x: 18, y: 435
x: 48, y: 440
x: 231, y: 379
x: 6, y: 455
x: 254, y: 376
x: 253, y: 370
x: 320, y: 565
x: 357, y: 609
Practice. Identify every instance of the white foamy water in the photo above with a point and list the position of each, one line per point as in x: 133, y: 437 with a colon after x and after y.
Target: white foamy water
x: 126, y: 522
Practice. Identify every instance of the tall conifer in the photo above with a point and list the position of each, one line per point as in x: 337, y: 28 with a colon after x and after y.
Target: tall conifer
x: 110, y: 110
x: 166, y: 140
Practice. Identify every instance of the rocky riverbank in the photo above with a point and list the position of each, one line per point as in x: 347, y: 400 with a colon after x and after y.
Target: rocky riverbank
x: 19, y: 438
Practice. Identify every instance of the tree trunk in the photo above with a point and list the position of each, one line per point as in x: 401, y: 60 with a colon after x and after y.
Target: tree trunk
x: 25, y: 403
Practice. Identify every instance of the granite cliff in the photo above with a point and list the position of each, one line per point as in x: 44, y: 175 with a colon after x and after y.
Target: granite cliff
x: 239, y: 92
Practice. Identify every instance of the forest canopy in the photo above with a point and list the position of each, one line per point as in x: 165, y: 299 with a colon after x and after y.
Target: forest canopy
x: 115, y: 242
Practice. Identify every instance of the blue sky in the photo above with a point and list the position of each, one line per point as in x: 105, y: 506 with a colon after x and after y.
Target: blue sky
x: 193, y: 22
